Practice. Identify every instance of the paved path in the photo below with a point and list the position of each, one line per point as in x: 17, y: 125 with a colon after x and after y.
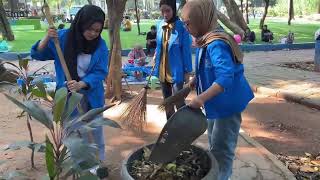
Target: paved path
x: 266, y: 76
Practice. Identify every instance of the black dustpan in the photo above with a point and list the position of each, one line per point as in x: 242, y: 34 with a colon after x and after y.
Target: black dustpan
x: 185, y: 126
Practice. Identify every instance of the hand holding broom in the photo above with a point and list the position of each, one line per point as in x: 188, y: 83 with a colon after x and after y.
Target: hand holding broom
x: 179, y: 96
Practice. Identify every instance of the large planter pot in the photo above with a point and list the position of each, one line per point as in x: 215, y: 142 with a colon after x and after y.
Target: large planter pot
x: 137, y: 155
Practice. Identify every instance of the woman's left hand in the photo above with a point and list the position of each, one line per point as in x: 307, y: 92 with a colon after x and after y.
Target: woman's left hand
x: 196, y: 103
x: 75, y: 85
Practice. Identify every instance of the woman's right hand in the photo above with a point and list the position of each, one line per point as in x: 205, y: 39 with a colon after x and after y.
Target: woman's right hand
x: 52, y: 33
x: 192, y: 83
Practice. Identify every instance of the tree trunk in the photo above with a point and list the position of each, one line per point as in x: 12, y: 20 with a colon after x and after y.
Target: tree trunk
x: 90, y: 2
x: 253, y: 11
x: 115, y: 13
x: 137, y: 16
x: 232, y: 26
x: 318, y: 7
x: 247, y: 11
x: 235, y: 14
x: 5, y: 27
x: 264, y: 13
x: 241, y: 6
x: 291, y: 12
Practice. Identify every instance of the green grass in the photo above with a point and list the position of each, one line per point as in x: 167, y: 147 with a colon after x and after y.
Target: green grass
x: 304, y: 32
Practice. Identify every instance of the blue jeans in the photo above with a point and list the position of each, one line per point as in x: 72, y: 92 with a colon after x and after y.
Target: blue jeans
x: 223, y: 136
x: 96, y: 135
x: 167, y: 90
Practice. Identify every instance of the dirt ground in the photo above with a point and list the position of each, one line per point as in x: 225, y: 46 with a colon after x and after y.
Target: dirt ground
x: 280, y: 126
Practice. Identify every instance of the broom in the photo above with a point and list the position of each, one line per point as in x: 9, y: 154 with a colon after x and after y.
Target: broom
x: 134, y: 115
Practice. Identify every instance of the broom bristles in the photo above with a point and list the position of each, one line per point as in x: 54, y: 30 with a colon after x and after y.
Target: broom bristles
x: 134, y: 116
x: 179, y: 96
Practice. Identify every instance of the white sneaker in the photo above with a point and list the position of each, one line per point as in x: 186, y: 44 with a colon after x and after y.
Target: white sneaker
x: 94, y: 170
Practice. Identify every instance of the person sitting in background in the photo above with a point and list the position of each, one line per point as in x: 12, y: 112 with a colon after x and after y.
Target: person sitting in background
x: 137, y: 57
x: 266, y: 34
x: 151, y: 39
x: 249, y: 36
x: 290, y: 38
x: 126, y: 25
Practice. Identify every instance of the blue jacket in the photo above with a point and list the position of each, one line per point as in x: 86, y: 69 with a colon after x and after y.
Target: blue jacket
x: 96, y: 73
x: 218, y: 66
x: 180, y: 61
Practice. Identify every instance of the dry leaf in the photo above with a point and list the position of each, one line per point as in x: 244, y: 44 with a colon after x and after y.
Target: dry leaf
x: 307, y: 169
x: 316, y: 162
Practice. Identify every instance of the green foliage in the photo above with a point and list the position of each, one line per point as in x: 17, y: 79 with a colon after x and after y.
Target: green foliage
x: 301, y: 7
x: 65, y: 152
x: 60, y: 100
x: 50, y: 159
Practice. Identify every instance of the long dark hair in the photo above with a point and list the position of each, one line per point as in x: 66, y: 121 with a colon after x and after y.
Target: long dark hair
x: 76, y: 42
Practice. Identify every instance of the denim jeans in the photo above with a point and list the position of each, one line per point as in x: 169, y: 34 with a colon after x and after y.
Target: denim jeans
x: 167, y: 90
x: 223, y: 136
x: 96, y: 135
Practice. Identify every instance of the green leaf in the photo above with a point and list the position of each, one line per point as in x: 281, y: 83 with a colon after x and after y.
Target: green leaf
x: 24, y: 89
x: 50, y: 159
x: 34, y: 110
x: 102, y: 121
x: 90, y: 115
x: 72, y: 104
x: 40, y: 91
x: 81, y: 152
x: 23, y: 63
x: 60, y: 100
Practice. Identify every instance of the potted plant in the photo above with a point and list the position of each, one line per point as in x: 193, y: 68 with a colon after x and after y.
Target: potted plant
x: 193, y: 163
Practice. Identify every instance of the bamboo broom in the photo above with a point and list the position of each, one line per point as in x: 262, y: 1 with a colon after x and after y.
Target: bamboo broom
x: 134, y: 115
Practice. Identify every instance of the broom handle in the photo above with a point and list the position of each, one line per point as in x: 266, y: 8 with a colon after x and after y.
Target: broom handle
x: 46, y: 12
x: 149, y: 78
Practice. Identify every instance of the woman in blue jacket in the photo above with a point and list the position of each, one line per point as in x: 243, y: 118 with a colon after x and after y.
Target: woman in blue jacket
x: 86, y: 56
x: 222, y: 89
x: 173, y: 52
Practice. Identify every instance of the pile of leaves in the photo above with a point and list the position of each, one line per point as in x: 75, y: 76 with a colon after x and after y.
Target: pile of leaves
x: 189, y: 165
x: 304, y: 168
x: 306, y: 66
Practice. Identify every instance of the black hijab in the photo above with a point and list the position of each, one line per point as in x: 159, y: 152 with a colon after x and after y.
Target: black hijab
x: 76, y: 42
x: 173, y: 5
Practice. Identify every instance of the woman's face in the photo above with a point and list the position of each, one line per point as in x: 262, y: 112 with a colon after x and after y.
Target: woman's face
x: 191, y: 28
x: 166, y: 12
x: 93, y: 31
